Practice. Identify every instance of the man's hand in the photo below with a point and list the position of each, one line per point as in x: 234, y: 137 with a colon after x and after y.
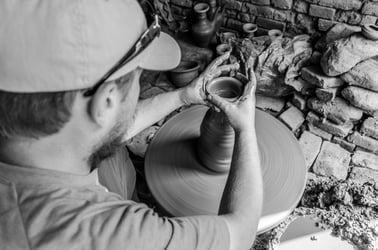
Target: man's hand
x: 241, y: 114
x: 194, y: 93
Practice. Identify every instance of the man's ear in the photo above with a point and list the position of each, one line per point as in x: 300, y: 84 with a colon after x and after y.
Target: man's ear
x: 103, y: 106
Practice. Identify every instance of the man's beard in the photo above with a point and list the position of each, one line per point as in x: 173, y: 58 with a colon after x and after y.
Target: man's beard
x: 107, y: 148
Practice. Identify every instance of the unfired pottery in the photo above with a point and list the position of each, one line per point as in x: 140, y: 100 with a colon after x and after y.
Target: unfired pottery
x: 202, y: 29
x: 249, y: 30
x: 275, y: 34
x: 184, y: 73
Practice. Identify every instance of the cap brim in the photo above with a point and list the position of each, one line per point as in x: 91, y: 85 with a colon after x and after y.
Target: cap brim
x: 162, y: 54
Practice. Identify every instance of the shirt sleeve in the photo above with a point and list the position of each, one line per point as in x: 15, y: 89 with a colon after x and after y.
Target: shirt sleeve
x: 136, y: 226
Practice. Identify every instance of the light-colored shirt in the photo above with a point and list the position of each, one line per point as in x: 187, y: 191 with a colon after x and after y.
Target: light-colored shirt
x: 44, y: 209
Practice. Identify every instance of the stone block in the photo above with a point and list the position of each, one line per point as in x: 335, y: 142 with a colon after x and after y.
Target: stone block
x: 283, y: 15
x: 270, y: 24
x: 270, y: 103
x: 342, y: 4
x: 343, y: 54
x: 367, y: 19
x: 366, y: 142
x: 302, y: 86
x: 365, y: 160
x: 282, y: 4
x: 361, y: 98
x: 350, y: 17
x: 301, y: 6
x: 260, y: 2
x: 370, y: 127
x: 327, y: 95
x: 364, y: 74
x: 234, y: 24
x: 370, y: 8
x: 344, y: 144
x: 315, y: 75
x: 338, y: 111
x: 332, y: 161
x: 310, y: 145
x: 299, y: 101
x: 338, y: 130
x: 244, y: 17
x: 324, y: 24
x: 363, y: 175
x: 322, y: 12
x: 234, y: 5
x: 293, y: 118
x: 319, y: 132
x: 257, y: 10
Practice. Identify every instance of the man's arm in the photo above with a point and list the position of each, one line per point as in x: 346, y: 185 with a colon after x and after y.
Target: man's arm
x: 242, y: 198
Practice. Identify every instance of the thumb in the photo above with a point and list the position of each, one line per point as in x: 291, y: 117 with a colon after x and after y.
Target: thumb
x: 218, y: 102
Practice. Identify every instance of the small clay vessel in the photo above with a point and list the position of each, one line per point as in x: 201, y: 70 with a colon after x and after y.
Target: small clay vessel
x: 275, y: 34
x: 184, y: 73
x: 249, y: 30
x: 202, y: 29
x: 370, y: 31
x: 216, y: 142
x: 227, y: 37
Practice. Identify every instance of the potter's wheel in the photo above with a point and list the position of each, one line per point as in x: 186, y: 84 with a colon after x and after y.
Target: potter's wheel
x: 183, y: 187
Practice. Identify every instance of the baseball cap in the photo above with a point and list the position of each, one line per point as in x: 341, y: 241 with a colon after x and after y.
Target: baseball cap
x: 60, y: 45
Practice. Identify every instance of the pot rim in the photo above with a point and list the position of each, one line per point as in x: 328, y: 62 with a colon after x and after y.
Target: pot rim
x: 179, y: 69
x: 201, y: 7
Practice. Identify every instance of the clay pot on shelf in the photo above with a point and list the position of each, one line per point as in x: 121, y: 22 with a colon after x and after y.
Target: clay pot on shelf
x: 184, y: 73
x: 249, y: 30
x: 202, y: 29
x: 275, y: 34
x: 370, y: 31
x: 216, y: 142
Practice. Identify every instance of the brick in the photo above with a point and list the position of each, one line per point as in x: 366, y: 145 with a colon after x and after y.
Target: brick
x: 299, y: 101
x: 363, y: 141
x: 338, y: 111
x: 315, y: 75
x: 231, y: 13
x: 325, y: 25
x: 320, y: 11
x: 319, y: 132
x: 350, y: 17
x: 270, y: 103
x: 310, y: 145
x: 328, y: 94
x: 293, y: 118
x: 257, y: 10
x: 234, y: 24
x: 183, y: 3
x: 363, y: 175
x: 244, y: 17
x: 338, y: 130
x: 367, y: 19
x: 342, y: 4
x: 365, y: 160
x: 344, y: 144
x: 283, y: 15
x: 302, y: 86
x: 282, y: 4
x: 370, y: 8
x: 270, y: 24
x: 301, y: 6
x: 234, y: 5
x: 332, y: 161
x: 260, y: 2
x: 370, y: 127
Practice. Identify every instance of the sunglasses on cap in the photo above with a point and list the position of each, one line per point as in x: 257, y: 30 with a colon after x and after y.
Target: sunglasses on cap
x: 143, y: 41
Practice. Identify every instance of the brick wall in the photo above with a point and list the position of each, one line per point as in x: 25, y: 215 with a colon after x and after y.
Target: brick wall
x: 291, y: 16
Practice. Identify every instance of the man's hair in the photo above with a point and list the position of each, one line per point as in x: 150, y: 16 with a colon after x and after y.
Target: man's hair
x: 35, y: 115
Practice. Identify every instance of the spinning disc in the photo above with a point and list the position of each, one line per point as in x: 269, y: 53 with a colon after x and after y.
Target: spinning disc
x: 184, y: 187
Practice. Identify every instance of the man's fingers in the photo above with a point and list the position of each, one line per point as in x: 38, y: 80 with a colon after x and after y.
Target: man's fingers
x: 218, y: 61
x: 218, y: 102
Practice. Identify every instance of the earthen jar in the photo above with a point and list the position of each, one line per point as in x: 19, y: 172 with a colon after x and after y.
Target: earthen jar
x: 202, y: 29
x: 275, y: 34
x: 249, y: 30
x: 216, y: 142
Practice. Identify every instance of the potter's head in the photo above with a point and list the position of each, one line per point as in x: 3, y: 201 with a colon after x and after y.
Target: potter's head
x: 56, y: 77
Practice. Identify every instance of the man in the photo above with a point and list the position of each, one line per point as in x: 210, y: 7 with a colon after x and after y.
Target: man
x: 67, y: 101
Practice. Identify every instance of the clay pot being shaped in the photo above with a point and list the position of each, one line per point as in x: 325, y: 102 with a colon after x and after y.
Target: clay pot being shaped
x: 184, y: 73
x: 216, y: 142
x: 202, y: 29
x: 249, y: 30
x: 275, y: 35
x: 370, y: 31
